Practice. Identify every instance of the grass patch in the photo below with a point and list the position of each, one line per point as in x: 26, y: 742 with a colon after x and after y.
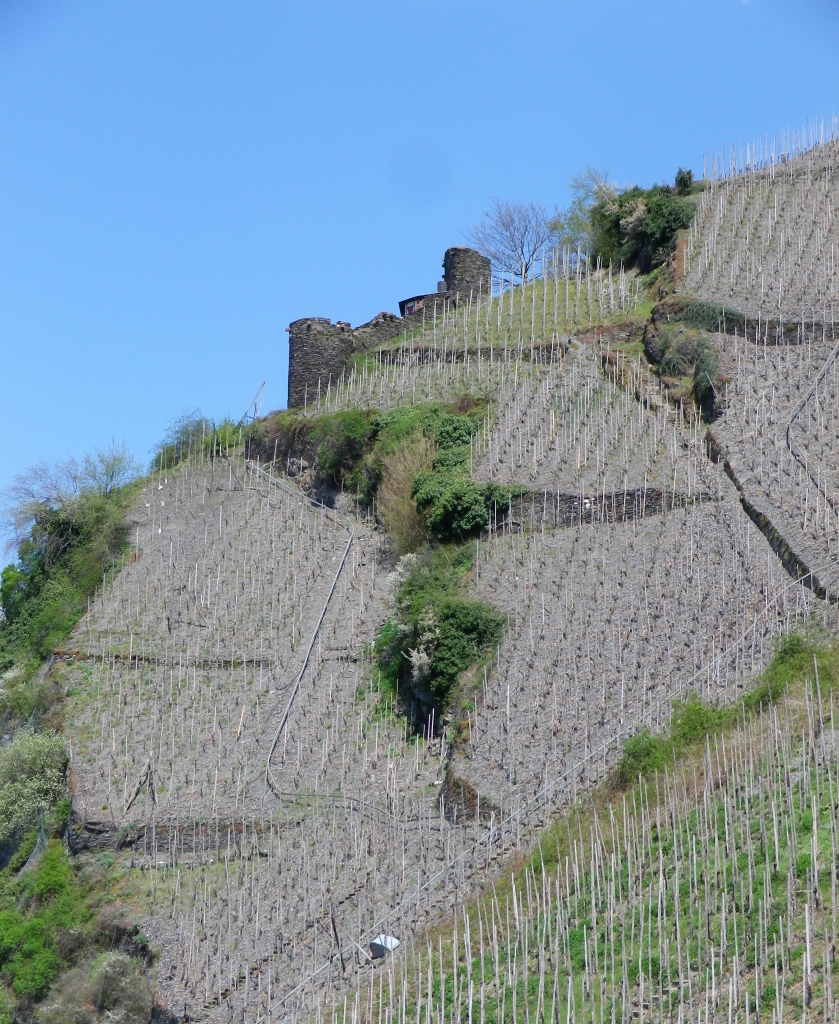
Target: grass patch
x: 56, y: 917
x: 797, y: 657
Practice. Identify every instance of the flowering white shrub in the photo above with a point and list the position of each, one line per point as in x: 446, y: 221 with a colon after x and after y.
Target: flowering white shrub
x: 31, y: 776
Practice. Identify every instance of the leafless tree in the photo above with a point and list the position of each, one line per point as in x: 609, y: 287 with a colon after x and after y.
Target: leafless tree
x: 108, y: 468
x: 44, y: 487
x: 513, y: 235
x: 41, y: 486
x: 572, y: 226
x: 591, y: 184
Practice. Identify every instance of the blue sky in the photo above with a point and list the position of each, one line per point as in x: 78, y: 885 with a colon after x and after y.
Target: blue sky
x: 179, y: 180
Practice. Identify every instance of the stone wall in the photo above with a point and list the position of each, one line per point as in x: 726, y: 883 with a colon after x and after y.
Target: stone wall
x: 318, y: 350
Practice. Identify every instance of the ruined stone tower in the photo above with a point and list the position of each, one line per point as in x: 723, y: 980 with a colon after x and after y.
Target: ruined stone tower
x: 466, y: 273
x: 318, y: 350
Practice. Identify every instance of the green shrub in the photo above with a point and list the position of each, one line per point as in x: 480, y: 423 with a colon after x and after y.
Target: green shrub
x: 464, y: 630
x: 62, y: 811
x: 705, y: 316
x: 692, y: 720
x: 639, y: 226
x: 70, y: 544
x: 119, y: 985
x: 792, y: 660
x: 26, y: 846
x: 188, y: 434
x: 342, y: 439
x: 29, y: 941
x: 454, y: 507
x: 354, y: 449
x: 387, y: 654
x: 684, y: 182
x: 437, y: 633
x: 705, y: 372
x: 32, y: 771
x: 680, y: 352
x: 642, y: 755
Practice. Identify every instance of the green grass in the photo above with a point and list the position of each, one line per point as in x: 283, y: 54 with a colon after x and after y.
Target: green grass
x: 796, y: 657
x: 538, y: 310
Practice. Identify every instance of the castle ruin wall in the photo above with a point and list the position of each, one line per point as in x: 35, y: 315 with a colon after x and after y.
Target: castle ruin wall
x: 319, y: 351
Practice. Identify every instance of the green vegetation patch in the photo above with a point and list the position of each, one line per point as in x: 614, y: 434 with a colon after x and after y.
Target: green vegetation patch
x: 709, y: 317
x: 414, y: 461
x: 32, y: 769
x: 56, y: 918
x: 454, y: 507
x: 683, y: 352
x: 639, y: 226
x: 70, y: 527
x: 635, y: 226
x: 797, y: 657
x: 437, y: 633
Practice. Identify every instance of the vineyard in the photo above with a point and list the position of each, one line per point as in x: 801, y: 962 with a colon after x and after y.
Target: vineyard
x: 276, y: 807
x: 764, y: 242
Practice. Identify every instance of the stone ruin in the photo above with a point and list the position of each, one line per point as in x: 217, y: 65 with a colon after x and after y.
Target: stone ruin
x: 318, y: 350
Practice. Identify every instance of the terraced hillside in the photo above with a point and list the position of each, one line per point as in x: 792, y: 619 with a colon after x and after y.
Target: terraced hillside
x: 764, y: 242
x: 706, y: 891
x: 179, y: 750
x: 763, y: 248
x: 229, y: 733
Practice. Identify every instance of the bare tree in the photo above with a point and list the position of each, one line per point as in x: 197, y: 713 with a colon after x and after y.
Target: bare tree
x: 43, y: 487
x: 513, y: 235
x: 591, y: 184
x: 108, y: 468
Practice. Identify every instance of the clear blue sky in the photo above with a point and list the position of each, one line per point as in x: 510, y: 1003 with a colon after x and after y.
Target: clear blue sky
x: 179, y: 180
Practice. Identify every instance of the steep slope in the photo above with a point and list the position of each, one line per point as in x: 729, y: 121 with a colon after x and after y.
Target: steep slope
x: 765, y: 242
x: 227, y: 731
x: 707, y: 891
x: 762, y: 252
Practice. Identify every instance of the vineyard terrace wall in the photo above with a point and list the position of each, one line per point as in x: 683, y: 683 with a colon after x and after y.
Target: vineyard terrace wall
x: 708, y: 316
x: 319, y: 351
